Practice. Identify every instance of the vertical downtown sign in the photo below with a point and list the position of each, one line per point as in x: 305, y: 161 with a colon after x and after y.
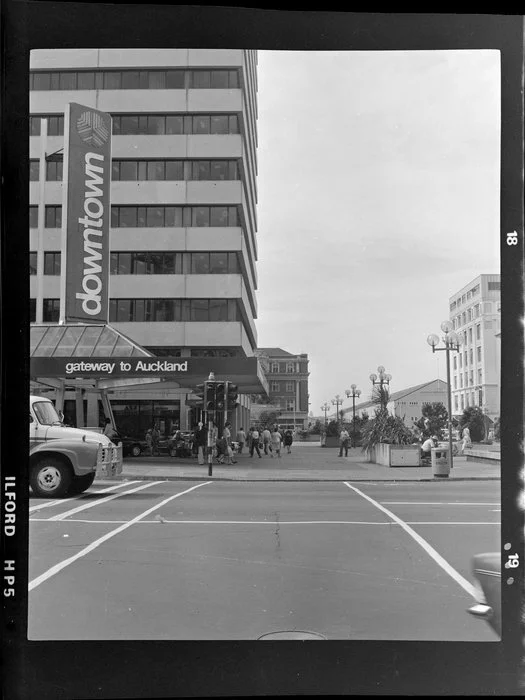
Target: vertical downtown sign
x: 86, y: 215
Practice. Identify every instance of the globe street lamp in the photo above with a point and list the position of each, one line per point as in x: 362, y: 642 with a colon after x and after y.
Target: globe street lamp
x: 337, y: 401
x: 355, y: 392
x: 381, y: 380
x: 452, y: 341
x: 325, y: 407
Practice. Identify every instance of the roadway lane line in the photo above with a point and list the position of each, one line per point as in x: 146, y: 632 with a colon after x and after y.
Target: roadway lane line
x: 443, y: 563
x: 436, y: 503
x: 66, y: 562
x: 48, y: 504
x: 106, y: 499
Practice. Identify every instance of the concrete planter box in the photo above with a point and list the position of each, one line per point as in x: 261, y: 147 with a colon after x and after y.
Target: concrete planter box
x: 331, y: 441
x: 395, y: 455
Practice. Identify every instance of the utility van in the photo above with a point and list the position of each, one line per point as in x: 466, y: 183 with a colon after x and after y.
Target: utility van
x: 64, y: 461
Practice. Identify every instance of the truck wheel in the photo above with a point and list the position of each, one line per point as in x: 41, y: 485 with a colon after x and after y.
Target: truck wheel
x: 50, y: 478
x: 81, y: 483
x: 135, y: 450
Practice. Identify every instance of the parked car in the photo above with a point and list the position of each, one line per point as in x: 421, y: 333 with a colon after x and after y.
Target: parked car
x: 132, y: 447
x: 487, y: 572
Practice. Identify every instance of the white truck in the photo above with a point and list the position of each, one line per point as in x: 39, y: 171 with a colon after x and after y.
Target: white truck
x: 64, y: 461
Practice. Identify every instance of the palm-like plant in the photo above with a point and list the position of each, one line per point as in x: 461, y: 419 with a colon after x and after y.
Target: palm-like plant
x: 384, y: 427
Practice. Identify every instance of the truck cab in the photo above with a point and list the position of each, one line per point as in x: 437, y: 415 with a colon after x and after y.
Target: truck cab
x: 64, y: 461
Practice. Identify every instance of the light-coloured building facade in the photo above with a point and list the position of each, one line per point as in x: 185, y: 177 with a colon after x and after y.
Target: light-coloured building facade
x: 183, y: 233
x: 287, y: 376
x: 475, y: 369
x: 407, y: 403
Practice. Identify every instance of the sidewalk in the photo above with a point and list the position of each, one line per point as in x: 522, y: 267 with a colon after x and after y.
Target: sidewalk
x: 307, y: 462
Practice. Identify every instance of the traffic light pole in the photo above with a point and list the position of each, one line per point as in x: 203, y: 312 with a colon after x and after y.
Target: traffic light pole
x: 210, y: 444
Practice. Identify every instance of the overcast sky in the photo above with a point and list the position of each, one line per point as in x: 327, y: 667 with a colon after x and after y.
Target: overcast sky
x: 379, y: 198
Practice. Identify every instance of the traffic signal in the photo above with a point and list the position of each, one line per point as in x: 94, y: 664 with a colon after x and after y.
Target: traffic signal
x: 199, y: 392
x: 209, y: 396
x: 232, y: 394
x: 220, y: 397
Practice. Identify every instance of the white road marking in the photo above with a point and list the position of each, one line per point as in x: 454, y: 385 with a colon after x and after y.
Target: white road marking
x: 48, y: 504
x: 66, y: 562
x: 102, y: 501
x: 228, y: 522
x: 436, y: 503
x: 443, y: 563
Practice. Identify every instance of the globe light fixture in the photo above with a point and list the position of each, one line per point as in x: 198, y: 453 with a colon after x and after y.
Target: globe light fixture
x: 353, y: 394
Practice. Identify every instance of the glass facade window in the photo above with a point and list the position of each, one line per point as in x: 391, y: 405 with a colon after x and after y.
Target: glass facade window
x: 34, y: 170
x: 471, y: 356
x: 470, y: 335
x: 494, y: 286
x: 290, y: 405
x: 455, y: 363
x: 479, y: 353
x: 167, y: 216
x: 32, y: 311
x: 32, y: 263
x: 290, y: 386
x: 33, y: 217
x: 160, y: 124
x: 53, y: 218
x: 54, y: 171
x: 151, y: 310
x: 275, y: 386
x: 173, y: 170
x: 52, y: 263
x: 51, y: 310
x: 290, y: 367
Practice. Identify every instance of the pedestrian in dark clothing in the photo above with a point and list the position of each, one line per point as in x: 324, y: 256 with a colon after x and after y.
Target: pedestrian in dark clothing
x: 288, y: 440
x: 254, y: 442
x: 201, y: 440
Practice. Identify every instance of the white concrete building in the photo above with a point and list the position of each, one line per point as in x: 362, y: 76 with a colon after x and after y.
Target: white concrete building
x: 475, y: 370
x: 183, y: 194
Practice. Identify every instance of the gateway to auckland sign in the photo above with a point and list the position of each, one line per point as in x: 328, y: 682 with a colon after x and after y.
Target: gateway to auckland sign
x: 86, y: 214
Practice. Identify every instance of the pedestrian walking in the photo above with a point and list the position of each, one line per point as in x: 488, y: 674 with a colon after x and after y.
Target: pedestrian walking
x: 155, y: 437
x: 275, y: 445
x: 227, y: 438
x: 288, y: 440
x: 344, y: 437
x: 466, y: 442
x: 241, y: 439
x: 149, y: 441
x: 254, y: 442
x: 266, y: 438
x: 201, y: 440
x: 109, y: 430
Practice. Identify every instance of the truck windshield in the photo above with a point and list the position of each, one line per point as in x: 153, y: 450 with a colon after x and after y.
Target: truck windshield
x: 46, y: 413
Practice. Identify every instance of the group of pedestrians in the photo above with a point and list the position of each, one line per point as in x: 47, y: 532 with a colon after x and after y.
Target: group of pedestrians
x: 269, y: 440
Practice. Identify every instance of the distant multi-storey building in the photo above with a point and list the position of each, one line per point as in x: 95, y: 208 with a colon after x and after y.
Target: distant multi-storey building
x: 183, y: 200
x: 475, y: 370
x: 287, y: 376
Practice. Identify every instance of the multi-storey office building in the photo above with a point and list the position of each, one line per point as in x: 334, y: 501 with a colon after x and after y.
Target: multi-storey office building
x: 475, y: 369
x: 183, y: 195
x: 287, y: 377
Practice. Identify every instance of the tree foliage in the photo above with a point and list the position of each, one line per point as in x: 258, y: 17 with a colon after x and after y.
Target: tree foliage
x: 434, y: 418
x: 474, y: 419
x: 332, y: 429
x: 268, y: 418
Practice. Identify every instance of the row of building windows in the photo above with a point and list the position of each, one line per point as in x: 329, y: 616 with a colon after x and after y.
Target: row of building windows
x: 283, y: 367
x: 171, y: 351
x: 158, y: 263
x: 465, y: 298
x: 150, y: 310
x: 276, y: 386
x: 149, y: 216
x: 138, y: 170
x: 150, y: 124
x: 174, y: 79
x: 467, y: 379
x: 467, y: 357
x: 466, y: 400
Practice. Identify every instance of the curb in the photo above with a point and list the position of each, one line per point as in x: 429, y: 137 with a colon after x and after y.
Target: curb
x: 205, y: 477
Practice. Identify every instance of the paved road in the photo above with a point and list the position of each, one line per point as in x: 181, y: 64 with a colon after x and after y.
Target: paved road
x: 237, y: 560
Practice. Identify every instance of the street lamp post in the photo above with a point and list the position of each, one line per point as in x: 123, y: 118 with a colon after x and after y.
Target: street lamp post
x: 452, y: 341
x: 380, y: 380
x: 354, y: 393
x: 337, y: 401
x: 325, y: 407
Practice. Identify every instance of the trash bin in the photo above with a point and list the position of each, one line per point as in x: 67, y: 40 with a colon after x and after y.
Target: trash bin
x: 440, y: 460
